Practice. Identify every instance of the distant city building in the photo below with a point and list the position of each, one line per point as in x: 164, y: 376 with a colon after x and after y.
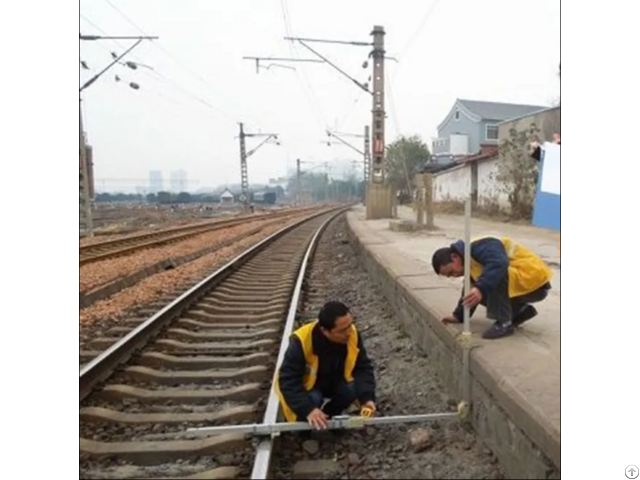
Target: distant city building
x: 178, y: 181
x: 279, y: 182
x: 155, y: 181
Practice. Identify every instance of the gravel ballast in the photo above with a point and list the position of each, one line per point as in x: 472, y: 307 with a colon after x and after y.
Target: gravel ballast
x: 407, y: 384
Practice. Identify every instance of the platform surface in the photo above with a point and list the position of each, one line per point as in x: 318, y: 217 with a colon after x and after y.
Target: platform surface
x: 525, y: 367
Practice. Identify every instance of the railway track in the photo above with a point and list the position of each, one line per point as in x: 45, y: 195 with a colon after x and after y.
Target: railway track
x: 112, y: 248
x: 206, y: 359
x: 114, y: 277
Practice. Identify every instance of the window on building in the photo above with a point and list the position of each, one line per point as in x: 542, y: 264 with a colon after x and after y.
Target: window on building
x: 492, y: 132
x: 457, y: 116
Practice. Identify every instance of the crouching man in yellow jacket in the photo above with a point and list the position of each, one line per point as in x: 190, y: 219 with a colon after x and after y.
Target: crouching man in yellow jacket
x: 506, y: 277
x: 326, y: 359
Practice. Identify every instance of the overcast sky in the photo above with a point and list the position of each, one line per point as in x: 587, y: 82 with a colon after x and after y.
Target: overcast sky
x: 185, y: 114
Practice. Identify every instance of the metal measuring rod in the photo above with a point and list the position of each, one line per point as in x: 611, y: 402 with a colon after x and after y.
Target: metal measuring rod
x: 336, y: 423
x: 465, y: 336
x: 366, y: 418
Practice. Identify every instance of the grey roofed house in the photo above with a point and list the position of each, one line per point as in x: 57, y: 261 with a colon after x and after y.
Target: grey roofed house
x: 470, y: 124
x: 498, y: 111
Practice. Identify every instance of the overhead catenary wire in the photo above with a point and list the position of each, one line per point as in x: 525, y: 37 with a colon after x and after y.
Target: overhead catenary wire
x: 394, y: 116
x: 159, y: 99
x: 157, y: 76
x: 246, y: 118
x: 302, y: 77
x: 348, y: 114
x: 101, y: 44
x: 362, y: 87
x: 414, y: 36
x: 392, y: 106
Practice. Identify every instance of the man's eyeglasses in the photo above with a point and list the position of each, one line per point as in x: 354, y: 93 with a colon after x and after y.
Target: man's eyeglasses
x: 342, y: 331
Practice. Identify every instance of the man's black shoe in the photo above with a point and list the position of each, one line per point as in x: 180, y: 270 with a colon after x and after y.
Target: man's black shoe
x: 498, y: 330
x: 527, y: 313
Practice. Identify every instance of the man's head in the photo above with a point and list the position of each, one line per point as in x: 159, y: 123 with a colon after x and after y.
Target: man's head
x: 335, y: 322
x: 447, y: 262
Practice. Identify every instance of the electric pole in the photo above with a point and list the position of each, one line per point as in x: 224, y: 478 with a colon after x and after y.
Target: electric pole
x: 244, y: 175
x: 367, y: 163
x: 379, y: 194
x: 366, y: 154
x: 298, y: 184
x: 85, y: 191
x: 378, y: 174
x: 85, y: 195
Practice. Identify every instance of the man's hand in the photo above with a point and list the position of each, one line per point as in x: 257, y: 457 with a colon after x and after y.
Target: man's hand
x: 368, y: 409
x: 473, y: 298
x: 318, y: 419
x: 449, y: 319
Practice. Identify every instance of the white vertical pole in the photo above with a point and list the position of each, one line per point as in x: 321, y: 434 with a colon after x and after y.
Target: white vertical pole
x: 467, y: 258
x: 466, y: 333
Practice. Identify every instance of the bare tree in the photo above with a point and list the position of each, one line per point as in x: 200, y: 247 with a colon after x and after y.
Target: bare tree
x: 551, y: 125
x: 518, y: 172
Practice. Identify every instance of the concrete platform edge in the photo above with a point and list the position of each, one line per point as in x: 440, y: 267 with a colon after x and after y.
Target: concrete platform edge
x: 524, y: 447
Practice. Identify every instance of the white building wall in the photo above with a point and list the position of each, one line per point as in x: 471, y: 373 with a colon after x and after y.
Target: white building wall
x: 455, y: 185
x: 452, y: 185
x: 489, y: 188
x: 459, y: 144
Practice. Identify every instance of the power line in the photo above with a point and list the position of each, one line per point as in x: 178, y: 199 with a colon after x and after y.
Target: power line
x: 164, y: 78
x: 392, y: 104
x: 92, y: 24
x: 293, y: 51
x: 157, y: 76
x: 178, y: 61
x: 423, y: 22
x: 116, y: 59
x: 154, y: 95
x: 360, y: 85
x: 97, y: 27
x: 194, y: 96
x: 415, y: 34
x: 363, y: 86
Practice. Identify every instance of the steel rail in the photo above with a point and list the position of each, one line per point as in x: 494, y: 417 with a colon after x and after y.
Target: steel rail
x: 262, y: 460
x: 101, y: 367
x: 94, y: 252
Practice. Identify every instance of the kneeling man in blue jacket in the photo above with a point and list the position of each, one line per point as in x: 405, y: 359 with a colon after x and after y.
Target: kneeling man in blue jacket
x: 506, y: 278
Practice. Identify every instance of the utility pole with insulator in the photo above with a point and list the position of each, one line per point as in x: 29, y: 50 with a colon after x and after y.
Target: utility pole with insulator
x: 86, y: 166
x: 244, y: 155
x: 244, y: 175
x: 366, y: 153
x: 378, y: 174
x: 367, y: 163
x: 379, y: 194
